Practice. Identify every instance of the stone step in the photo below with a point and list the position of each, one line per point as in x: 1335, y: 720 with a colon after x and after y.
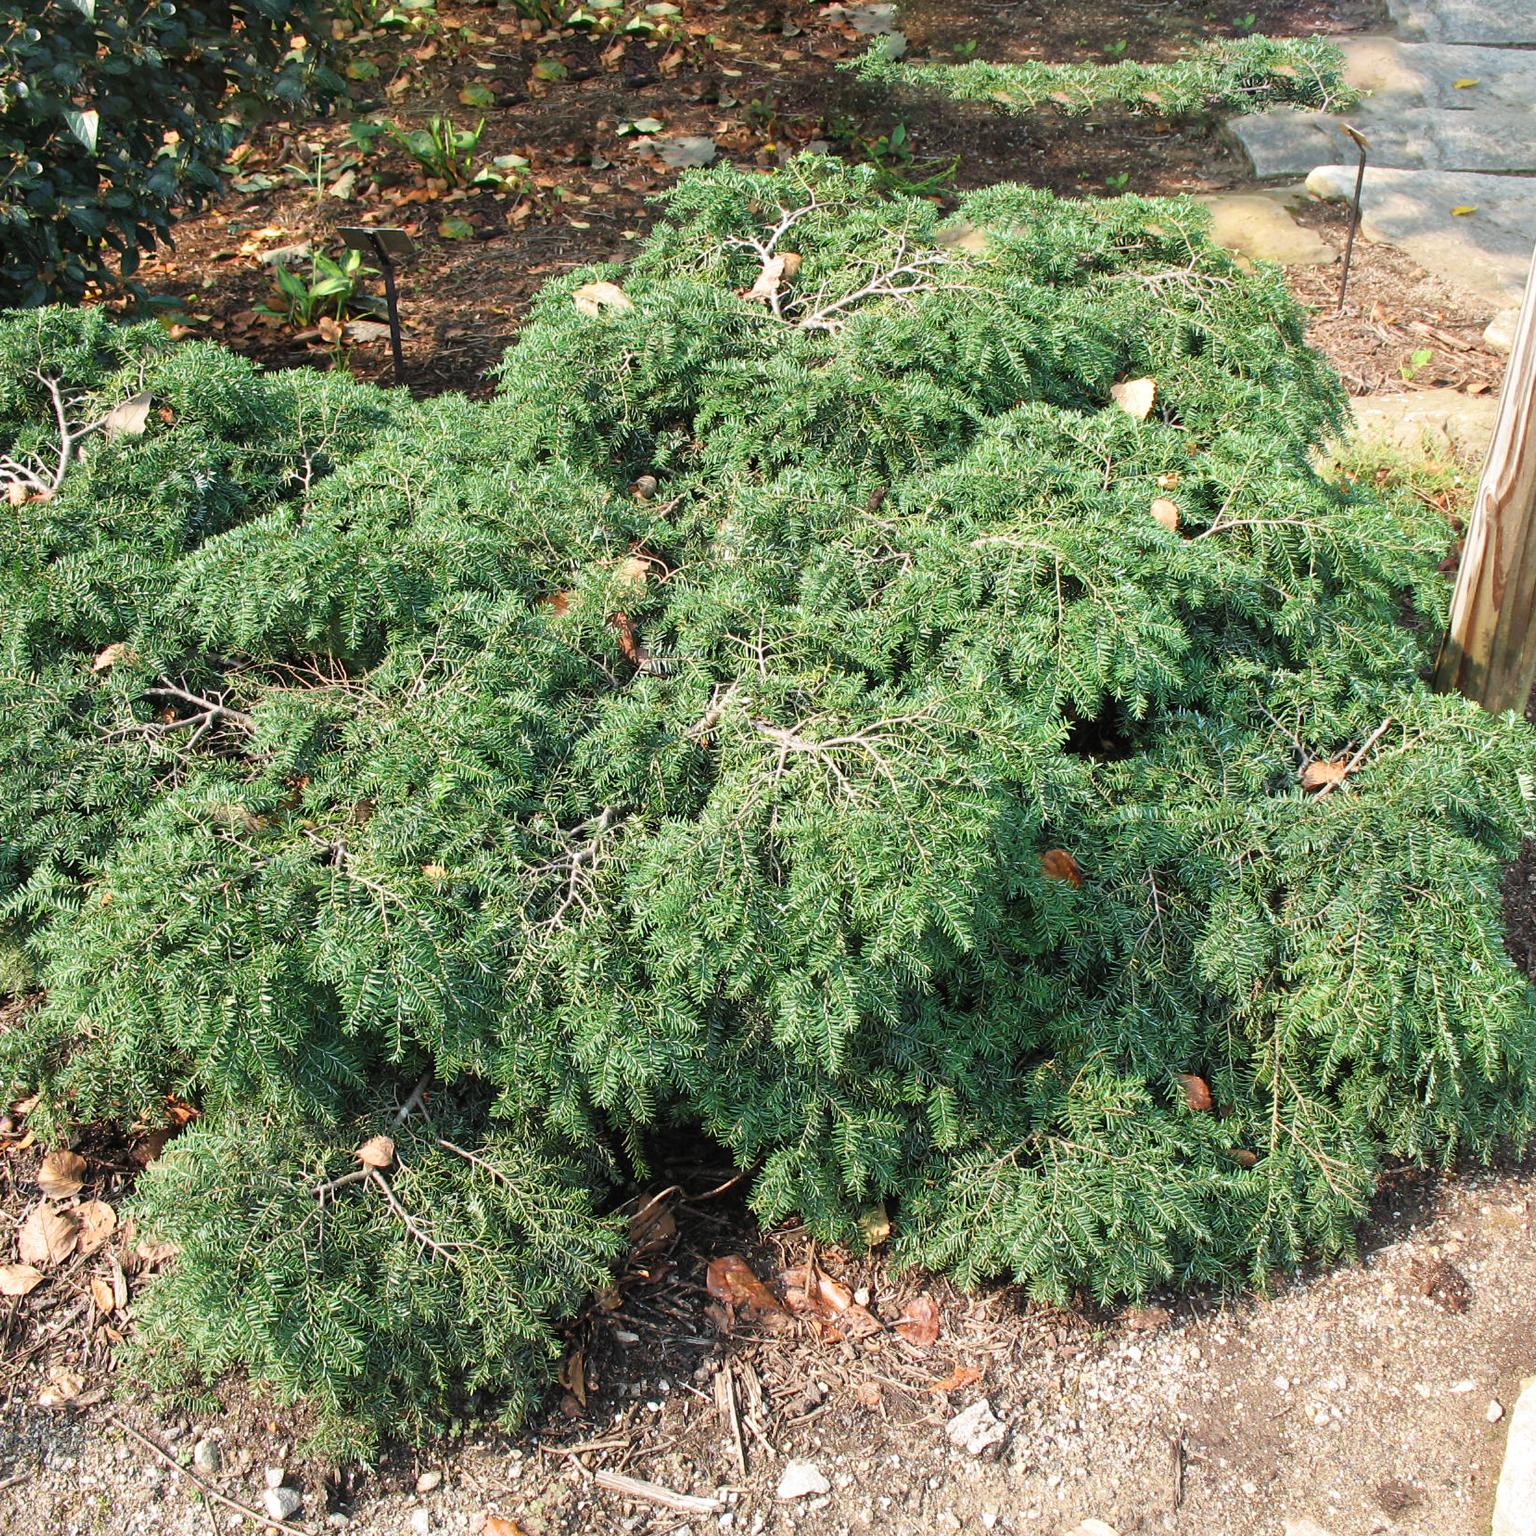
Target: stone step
x: 1285, y: 143
x: 1484, y: 253
x: 1507, y: 22
x: 1415, y: 114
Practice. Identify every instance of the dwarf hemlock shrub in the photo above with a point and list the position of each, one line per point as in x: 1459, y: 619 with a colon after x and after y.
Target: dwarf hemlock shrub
x: 910, y: 710
x: 115, y: 114
x: 1247, y: 74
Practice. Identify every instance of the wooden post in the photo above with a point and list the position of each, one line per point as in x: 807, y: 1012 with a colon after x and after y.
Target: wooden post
x: 1489, y: 650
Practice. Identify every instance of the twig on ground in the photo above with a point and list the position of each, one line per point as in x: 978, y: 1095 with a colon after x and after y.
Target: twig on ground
x: 213, y: 1493
x: 653, y: 1493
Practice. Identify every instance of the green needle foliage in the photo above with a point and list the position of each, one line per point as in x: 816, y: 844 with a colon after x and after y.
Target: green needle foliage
x: 1249, y: 74
x: 783, y: 716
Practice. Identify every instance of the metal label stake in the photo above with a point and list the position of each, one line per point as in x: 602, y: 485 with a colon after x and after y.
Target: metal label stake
x: 1363, y: 144
x: 385, y: 245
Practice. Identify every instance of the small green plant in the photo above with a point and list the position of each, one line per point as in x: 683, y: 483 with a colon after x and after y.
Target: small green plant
x: 1118, y: 182
x: 332, y: 288
x: 443, y: 151
x: 1419, y: 360
x: 965, y: 50
x: 1116, y: 50
x: 1246, y: 23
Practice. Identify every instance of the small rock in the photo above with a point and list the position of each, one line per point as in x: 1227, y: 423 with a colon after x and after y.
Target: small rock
x: 428, y: 1481
x: 1500, y: 331
x: 1464, y: 1385
x: 1495, y: 1411
x: 280, y: 1503
x: 206, y: 1458
x: 686, y: 150
x: 1093, y: 1527
x: 976, y: 1428
x: 338, y: 1521
x: 276, y: 1476
x: 421, y: 1522
x: 800, y: 1478
x: 1306, y: 1526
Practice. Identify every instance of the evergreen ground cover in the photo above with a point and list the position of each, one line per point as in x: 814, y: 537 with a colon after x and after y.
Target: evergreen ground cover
x: 911, y: 712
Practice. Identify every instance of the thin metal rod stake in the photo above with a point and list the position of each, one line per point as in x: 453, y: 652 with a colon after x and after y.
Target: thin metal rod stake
x: 1354, y: 218
x: 391, y: 297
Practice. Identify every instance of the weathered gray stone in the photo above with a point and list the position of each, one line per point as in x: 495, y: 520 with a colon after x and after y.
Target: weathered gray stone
x: 1466, y: 21
x: 1415, y: 113
x: 1260, y: 227
x: 1433, y: 421
x: 1483, y: 253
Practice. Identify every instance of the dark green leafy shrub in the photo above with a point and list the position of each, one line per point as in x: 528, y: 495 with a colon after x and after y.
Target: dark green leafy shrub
x: 697, y: 733
x: 114, y: 112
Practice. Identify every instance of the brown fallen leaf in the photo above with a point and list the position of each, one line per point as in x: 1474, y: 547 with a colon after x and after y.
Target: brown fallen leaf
x: 1168, y: 482
x: 148, y: 1254
x: 17, y: 494
x: 1319, y: 773
x: 1135, y: 397
x: 495, y: 1525
x: 961, y: 1376
x: 731, y: 1280
x: 1166, y: 513
x: 792, y: 260
x: 1145, y: 1319
x: 98, y: 1221
x: 868, y: 1394
x: 1243, y: 1157
x: 19, y: 1279
x: 573, y: 1375
x: 1197, y: 1093
x: 64, y: 1386
x: 919, y: 1322
x: 1058, y: 864
x: 102, y: 1294
x: 653, y: 1226
x: 590, y: 298
x: 629, y: 641
x: 61, y: 1175
x: 376, y: 1152
x: 46, y: 1237
x: 147, y: 1148
x: 809, y: 1288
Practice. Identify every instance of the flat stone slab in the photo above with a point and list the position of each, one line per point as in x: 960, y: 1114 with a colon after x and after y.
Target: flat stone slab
x: 1484, y: 254
x: 1433, y: 421
x: 1428, y: 106
x: 1466, y: 21
x: 1259, y: 226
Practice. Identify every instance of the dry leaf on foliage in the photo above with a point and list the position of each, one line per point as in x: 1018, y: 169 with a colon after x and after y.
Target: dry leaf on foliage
x: 730, y: 1279
x: 919, y: 1322
x: 114, y: 653
x: 629, y: 642
x: 495, y: 1525
x: 591, y: 297
x: 17, y: 494
x: 376, y: 1152
x: 148, y: 1254
x: 1316, y: 774
x: 103, y: 1294
x: 1165, y: 512
x: 1058, y: 864
x: 1135, y: 397
x: 1243, y: 1157
x: 119, y: 1284
x: 130, y: 418
x: 768, y: 281
x: 1168, y: 482
x: 46, y: 1237
x: 961, y: 1376
x: 644, y: 488
x: 1197, y: 1093
x: 147, y: 1148
x: 875, y: 1224
x: 635, y: 570
x: 19, y: 1279
x: 61, y: 1174
x: 98, y: 1221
